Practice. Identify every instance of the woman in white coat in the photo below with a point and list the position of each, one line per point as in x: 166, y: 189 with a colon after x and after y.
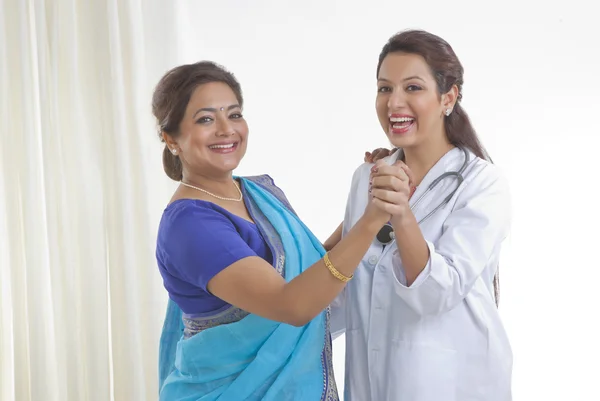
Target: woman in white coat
x: 420, y: 314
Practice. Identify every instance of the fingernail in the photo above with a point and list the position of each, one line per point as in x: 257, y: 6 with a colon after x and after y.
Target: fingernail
x: 374, y: 169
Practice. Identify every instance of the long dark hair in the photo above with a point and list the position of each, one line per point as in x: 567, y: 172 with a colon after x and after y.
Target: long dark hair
x: 447, y: 71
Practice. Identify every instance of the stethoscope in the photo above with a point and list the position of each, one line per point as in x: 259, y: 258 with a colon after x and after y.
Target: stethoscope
x: 386, y: 235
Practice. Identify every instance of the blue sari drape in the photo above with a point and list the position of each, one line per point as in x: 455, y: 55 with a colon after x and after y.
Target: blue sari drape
x: 254, y: 358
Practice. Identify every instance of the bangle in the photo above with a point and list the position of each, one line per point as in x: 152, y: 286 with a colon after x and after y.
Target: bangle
x: 334, y: 271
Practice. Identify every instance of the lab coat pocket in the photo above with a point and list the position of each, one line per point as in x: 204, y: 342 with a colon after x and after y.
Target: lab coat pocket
x: 421, y: 372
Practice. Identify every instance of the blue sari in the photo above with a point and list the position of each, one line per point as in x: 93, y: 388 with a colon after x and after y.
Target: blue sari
x: 232, y: 355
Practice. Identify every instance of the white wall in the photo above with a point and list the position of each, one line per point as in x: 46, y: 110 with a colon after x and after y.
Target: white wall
x: 308, y: 72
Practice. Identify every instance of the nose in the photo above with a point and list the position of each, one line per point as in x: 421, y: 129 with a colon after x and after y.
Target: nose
x: 224, y: 126
x: 396, y: 100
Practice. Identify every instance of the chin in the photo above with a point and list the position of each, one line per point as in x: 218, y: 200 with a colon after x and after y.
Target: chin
x: 401, y: 142
x: 229, y: 167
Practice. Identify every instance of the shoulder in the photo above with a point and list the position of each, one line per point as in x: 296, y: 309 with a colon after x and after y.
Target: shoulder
x: 482, y: 174
x: 485, y: 188
x: 266, y: 182
x: 186, y: 216
x: 184, y: 209
x: 263, y: 179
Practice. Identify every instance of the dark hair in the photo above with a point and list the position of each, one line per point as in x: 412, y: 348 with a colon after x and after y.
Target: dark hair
x: 172, y: 95
x: 447, y: 71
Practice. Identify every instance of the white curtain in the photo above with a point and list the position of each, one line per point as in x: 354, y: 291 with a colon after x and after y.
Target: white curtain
x: 81, y: 191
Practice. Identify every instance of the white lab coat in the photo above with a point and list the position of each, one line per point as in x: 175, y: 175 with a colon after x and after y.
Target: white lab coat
x: 441, y: 339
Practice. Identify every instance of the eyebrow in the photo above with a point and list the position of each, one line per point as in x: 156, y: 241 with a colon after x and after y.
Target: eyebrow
x: 214, y: 110
x: 405, y: 79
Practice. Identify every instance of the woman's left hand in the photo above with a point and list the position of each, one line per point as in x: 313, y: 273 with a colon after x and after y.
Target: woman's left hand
x: 392, y: 186
x: 377, y: 154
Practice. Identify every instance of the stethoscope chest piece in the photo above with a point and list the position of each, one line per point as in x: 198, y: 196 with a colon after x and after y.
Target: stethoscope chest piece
x: 386, y: 235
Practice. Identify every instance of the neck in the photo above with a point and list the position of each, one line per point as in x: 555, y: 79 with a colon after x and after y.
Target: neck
x: 221, y: 185
x: 422, y: 158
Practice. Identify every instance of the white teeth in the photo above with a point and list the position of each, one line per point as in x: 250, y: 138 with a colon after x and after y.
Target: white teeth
x: 401, y: 119
x: 222, y: 146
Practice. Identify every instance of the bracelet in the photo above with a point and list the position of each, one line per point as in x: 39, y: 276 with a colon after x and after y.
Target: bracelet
x: 334, y: 271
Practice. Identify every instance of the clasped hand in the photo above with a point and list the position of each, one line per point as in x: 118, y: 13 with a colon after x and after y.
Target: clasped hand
x: 390, y: 191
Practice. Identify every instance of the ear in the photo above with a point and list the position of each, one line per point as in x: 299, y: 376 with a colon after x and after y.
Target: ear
x: 171, y: 143
x: 449, y: 98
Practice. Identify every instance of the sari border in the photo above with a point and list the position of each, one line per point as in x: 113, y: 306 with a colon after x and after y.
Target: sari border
x: 330, y: 391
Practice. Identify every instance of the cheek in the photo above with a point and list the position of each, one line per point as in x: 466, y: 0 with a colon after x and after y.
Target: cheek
x: 381, y: 108
x: 426, y: 109
x: 244, y: 130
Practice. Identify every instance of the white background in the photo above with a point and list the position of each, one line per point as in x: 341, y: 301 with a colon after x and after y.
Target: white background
x: 532, y: 90
x: 82, y: 188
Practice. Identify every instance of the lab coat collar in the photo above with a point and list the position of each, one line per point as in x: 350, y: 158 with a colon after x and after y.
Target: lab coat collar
x: 450, y: 161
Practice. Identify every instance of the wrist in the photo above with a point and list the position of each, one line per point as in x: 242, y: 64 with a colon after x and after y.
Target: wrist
x: 369, y: 226
x: 402, y: 222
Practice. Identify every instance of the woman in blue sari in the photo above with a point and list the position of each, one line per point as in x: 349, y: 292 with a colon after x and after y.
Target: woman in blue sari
x: 249, y: 284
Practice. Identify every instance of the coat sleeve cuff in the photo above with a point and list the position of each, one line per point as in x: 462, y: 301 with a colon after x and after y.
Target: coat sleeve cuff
x: 400, y: 275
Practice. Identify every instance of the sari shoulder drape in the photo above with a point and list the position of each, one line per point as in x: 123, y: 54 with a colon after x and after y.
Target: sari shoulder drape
x: 235, y: 355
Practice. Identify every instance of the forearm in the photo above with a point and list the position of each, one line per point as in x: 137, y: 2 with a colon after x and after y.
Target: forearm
x: 334, y: 238
x: 412, y: 247
x: 312, y: 291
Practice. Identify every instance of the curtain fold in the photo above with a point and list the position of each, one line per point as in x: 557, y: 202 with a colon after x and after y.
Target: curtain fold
x: 81, y: 192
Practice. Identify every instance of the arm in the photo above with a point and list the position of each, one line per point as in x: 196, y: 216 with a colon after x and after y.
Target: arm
x: 254, y: 286
x: 215, y: 258
x: 370, y: 157
x: 439, y: 276
x: 333, y: 238
x: 412, y: 247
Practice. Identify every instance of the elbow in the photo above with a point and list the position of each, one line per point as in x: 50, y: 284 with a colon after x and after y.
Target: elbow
x: 433, y: 302
x: 298, y: 322
x: 297, y: 315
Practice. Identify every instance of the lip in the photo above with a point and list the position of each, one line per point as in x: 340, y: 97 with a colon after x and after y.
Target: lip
x: 403, y: 130
x: 224, y: 150
x: 396, y: 115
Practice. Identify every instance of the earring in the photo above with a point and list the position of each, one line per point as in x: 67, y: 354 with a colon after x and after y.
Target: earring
x: 448, y: 111
x: 174, y: 151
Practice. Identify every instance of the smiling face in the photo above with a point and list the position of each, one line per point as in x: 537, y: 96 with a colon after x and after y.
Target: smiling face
x: 409, y: 106
x: 213, y: 134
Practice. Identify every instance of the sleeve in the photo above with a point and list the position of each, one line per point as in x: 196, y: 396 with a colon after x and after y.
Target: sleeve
x: 338, y: 315
x: 472, y: 235
x: 201, y: 243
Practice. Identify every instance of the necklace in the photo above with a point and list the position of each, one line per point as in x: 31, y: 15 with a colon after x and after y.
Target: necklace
x: 217, y: 196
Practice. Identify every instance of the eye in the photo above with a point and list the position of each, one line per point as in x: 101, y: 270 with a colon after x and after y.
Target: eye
x: 384, y: 89
x: 413, y: 88
x: 204, y: 120
x: 236, y: 116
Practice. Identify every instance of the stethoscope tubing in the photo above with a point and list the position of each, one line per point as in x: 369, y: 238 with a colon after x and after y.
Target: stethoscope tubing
x: 431, y: 187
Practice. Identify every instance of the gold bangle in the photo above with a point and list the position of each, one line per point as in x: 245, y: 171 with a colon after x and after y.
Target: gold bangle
x: 334, y: 271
